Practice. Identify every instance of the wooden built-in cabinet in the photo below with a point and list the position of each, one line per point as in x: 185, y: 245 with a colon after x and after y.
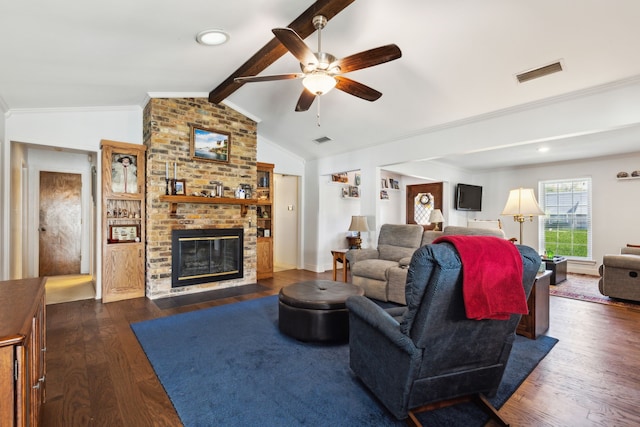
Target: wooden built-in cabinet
x: 123, y: 223
x: 22, y: 351
x: 265, y: 223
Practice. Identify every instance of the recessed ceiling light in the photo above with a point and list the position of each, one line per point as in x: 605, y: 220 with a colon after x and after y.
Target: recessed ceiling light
x: 212, y: 37
x: 543, y: 149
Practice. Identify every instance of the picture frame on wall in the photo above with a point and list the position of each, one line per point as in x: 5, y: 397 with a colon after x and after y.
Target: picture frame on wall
x: 210, y: 145
x: 124, y: 173
x: 179, y: 187
x: 340, y: 177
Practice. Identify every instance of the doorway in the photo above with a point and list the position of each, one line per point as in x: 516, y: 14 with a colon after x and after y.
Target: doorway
x: 286, y: 237
x: 58, y: 193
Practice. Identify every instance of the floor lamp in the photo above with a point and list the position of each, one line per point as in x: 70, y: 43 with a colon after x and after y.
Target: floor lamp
x: 521, y: 204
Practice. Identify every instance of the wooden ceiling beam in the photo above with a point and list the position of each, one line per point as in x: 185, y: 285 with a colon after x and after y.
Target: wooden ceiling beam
x: 273, y: 50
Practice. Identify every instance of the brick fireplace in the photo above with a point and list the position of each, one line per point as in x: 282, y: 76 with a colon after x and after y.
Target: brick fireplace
x: 167, y: 132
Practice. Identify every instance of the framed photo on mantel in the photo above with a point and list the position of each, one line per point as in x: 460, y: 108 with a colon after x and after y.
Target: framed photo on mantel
x: 179, y: 187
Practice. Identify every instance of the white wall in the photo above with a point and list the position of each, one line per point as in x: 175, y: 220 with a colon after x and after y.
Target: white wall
x: 615, y: 203
x: 67, y: 129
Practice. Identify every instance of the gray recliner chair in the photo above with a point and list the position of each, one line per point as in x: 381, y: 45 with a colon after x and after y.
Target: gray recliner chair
x: 381, y: 271
x: 430, y: 353
x: 620, y: 275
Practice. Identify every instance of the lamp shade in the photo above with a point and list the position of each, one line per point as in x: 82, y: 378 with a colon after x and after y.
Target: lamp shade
x: 520, y: 204
x: 436, y: 216
x: 523, y: 202
x: 359, y: 223
x: 319, y: 83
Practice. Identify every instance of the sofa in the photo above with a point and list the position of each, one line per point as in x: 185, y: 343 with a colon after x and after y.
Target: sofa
x: 382, y: 272
x: 620, y: 275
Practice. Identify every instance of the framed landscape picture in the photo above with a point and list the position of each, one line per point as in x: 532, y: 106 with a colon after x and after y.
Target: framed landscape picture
x: 210, y: 145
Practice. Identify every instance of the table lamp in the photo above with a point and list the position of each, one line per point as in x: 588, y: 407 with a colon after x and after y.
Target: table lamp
x: 359, y: 224
x: 436, y: 218
x: 522, y: 203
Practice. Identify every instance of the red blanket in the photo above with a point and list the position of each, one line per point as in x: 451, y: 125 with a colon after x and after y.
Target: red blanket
x: 491, y: 276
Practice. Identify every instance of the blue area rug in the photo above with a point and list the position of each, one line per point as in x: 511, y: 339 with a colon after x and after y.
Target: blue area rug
x: 230, y: 365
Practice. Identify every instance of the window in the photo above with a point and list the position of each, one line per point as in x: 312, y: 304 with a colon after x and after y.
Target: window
x: 566, y: 227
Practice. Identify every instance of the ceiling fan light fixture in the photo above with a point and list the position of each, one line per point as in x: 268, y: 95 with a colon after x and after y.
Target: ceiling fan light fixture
x: 319, y: 83
x: 212, y: 37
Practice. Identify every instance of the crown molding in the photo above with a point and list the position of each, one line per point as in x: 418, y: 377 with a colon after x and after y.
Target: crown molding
x: 178, y: 94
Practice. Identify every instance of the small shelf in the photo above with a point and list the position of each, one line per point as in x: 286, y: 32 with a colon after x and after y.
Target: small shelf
x: 175, y: 200
x: 629, y: 178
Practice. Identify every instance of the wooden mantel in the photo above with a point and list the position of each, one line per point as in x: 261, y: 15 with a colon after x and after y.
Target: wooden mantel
x: 175, y: 200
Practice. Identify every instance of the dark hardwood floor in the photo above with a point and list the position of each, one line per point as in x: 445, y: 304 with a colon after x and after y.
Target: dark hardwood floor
x: 97, y: 373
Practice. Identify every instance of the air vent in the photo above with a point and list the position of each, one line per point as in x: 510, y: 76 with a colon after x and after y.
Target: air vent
x: 322, y: 140
x: 540, y: 72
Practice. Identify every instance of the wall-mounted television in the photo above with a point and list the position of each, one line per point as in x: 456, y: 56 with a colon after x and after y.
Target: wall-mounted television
x: 468, y: 197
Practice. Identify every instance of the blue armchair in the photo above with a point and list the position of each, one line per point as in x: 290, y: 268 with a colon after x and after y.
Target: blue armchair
x: 428, y: 354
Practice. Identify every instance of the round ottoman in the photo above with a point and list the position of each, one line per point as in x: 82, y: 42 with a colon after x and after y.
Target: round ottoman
x: 315, y: 310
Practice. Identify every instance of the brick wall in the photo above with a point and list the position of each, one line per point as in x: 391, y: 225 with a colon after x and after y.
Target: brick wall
x: 167, y: 133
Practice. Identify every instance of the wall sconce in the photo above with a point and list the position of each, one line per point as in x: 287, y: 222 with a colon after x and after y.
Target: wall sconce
x: 436, y: 218
x: 522, y: 203
x: 358, y: 224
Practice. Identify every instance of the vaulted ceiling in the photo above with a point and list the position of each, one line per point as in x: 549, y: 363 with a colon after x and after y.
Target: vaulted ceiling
x: 459, y: 60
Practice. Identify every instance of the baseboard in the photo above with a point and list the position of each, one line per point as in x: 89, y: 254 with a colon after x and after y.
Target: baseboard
x: 583, y: 267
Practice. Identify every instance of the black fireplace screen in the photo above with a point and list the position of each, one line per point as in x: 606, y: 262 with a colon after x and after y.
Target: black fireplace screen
x: 206, y: 255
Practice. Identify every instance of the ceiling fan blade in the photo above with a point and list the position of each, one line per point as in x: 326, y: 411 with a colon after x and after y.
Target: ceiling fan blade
x: 294, y: 44
x: 273, y: 50
x: 250, y: 79
x: 354, y: 88
x: 305, y: 100
x: 368, y: 58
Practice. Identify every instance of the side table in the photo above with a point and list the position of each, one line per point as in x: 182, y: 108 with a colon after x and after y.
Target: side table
x: 536, y: 322
x: 558, y: 267
x: 340, y: 255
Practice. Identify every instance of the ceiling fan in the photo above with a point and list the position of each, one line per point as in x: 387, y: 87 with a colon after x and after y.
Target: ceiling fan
x: 321, y: 71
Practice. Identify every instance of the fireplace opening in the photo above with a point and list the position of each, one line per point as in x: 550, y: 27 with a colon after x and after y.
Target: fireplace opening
x: 206, y: 255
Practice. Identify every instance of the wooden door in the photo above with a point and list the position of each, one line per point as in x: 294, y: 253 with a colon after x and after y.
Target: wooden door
x: 421, y: 200
x: 60, y: 223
